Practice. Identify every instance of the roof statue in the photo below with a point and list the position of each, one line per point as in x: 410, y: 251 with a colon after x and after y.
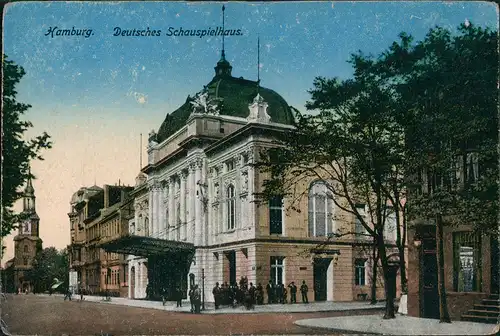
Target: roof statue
x: 258, y: 110
x: 204, y: 104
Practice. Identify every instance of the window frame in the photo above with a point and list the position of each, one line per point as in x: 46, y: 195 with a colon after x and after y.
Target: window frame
x: 277, y: 264
x: 469, y: 238
x: 360, y: 272
x: 313, y: 210
x: 230, y: 207
x: 276, y: 209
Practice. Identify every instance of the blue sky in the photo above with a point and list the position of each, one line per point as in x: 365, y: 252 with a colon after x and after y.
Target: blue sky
x: 86, y: 92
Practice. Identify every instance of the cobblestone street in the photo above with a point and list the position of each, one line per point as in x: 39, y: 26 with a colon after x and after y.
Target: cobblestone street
x: 52, y: 315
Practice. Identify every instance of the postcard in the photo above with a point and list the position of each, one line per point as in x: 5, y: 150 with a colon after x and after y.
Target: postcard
x: 249, y: 168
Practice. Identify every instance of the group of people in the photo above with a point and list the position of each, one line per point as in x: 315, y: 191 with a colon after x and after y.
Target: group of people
x: 249, y: 295
x: 279, y: 293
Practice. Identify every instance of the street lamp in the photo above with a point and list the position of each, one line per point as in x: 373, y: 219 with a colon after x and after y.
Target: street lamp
x: 203, y: 288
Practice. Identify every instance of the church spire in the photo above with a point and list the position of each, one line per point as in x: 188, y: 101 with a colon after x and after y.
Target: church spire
x: 29, y: 194
x: 223, y: 67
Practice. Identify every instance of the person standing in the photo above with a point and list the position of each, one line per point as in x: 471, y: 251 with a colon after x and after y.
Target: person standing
x: 197, y: 299
x: 252, y: 290
x: 191, y: 298
x: 178, y: 296
x: 216, y: 292
x: 270, y: 292
x: 293, y: 292
x: 260, y: 294
x: 304, y: 289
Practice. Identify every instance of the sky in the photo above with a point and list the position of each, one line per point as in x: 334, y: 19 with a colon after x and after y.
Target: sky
x: 95, y: 95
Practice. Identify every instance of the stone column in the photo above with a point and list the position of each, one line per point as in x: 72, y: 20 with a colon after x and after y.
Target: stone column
x: 251, y: 184
x: 156, y: 210
x: 183, y: 205
x: 198, y: 204
x: 171, y: 211
x: 150, y: 212
x: 191, y: 203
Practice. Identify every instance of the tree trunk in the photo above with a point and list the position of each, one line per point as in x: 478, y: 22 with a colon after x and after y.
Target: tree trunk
x: 373, y: 299
x: 444, y: 316
x: 390, y: 311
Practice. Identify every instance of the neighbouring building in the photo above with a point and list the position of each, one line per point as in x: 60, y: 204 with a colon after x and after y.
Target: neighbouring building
x: 27, y: 244
x: 195, y: 219
x: 471, y: 260
x: 97, y: 215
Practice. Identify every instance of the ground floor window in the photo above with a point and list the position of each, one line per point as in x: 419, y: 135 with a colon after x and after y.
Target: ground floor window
x: 277, y: 268
x: 359, y: 272
x: 467, y: 262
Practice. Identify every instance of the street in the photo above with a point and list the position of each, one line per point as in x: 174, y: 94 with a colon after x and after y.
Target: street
x: 30, y: 314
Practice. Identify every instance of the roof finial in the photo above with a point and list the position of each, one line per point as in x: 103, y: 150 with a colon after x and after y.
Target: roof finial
x: 223, y: 56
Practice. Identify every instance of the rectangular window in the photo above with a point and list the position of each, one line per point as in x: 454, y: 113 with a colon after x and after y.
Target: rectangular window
x: 276, y: 215
x: 467, y: 262
x: 229, y: 165
x: 277, y: 270
x: 359, y: 228
x: 359, y: 272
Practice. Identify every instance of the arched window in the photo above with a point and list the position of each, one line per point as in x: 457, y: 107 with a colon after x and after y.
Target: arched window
x: 26, y: 249
x: 320, y: 210
x: 231, y: 207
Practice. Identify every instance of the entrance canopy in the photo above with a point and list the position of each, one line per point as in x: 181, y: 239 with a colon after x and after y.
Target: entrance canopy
x: 146, y: 246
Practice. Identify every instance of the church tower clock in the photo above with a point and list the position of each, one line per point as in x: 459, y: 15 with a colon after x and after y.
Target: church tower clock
x: 27, y: 242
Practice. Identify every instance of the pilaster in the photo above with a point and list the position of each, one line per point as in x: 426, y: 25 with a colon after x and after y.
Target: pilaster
x: 183, y: 228
x: 198, y: 211
x: 171, y: 229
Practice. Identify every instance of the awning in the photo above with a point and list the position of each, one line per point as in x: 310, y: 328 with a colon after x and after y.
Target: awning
x: 146, y: 246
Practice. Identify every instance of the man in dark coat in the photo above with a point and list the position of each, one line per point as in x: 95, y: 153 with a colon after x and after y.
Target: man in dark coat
x: 216, y: 292
x: 252, y: 291
x: 260, y: 294
x: 270, y: 292
x: 293, y: 292
x: 178, y: 296
x: 304, y: 289
x: 279, y: 293
x: 191, y: 298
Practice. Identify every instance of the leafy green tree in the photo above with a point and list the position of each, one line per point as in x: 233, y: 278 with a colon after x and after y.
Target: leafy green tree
x: 17, y: 152
x: 47, y: 266
x: 416, y: 110
x: 447, y: 95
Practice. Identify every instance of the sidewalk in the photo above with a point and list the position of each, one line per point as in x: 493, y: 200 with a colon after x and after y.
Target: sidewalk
x: 401, y: 325
x: 210, y: 309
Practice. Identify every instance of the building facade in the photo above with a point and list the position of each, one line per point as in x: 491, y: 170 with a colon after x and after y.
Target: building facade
x: 97, y: 215
x: 197, y: 195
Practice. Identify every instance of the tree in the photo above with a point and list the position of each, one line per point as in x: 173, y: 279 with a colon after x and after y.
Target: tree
x: 404, y: 113
x: 48, y: 265
x: 351, y: 146
x: 16, y: 151
x: 447, y: 95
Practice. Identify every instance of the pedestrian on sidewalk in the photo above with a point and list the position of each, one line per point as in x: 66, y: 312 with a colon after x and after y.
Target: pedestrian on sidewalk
x: 293, y: 292
x: 197, y: 299
x: 178, y: 296
x: 270, y: 292
x: 216, y: 292
x: 191, y: 298
x: 304, y: 289
x: 260, y: 294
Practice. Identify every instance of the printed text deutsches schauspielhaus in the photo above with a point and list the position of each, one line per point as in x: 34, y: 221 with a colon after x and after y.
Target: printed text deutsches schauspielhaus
x: 218, y: 31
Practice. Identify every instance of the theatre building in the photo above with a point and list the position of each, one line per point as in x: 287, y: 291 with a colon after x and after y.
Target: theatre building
x: 195, y: 221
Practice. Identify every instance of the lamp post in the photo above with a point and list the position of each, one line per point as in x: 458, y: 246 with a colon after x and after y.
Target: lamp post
x: 203, y: 288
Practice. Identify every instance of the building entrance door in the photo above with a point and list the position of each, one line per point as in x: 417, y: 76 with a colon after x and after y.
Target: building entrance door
x: 320, y: 278
x: 429, y: 281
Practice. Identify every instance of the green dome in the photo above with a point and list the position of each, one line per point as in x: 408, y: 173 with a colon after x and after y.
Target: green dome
x: 236, y: 94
